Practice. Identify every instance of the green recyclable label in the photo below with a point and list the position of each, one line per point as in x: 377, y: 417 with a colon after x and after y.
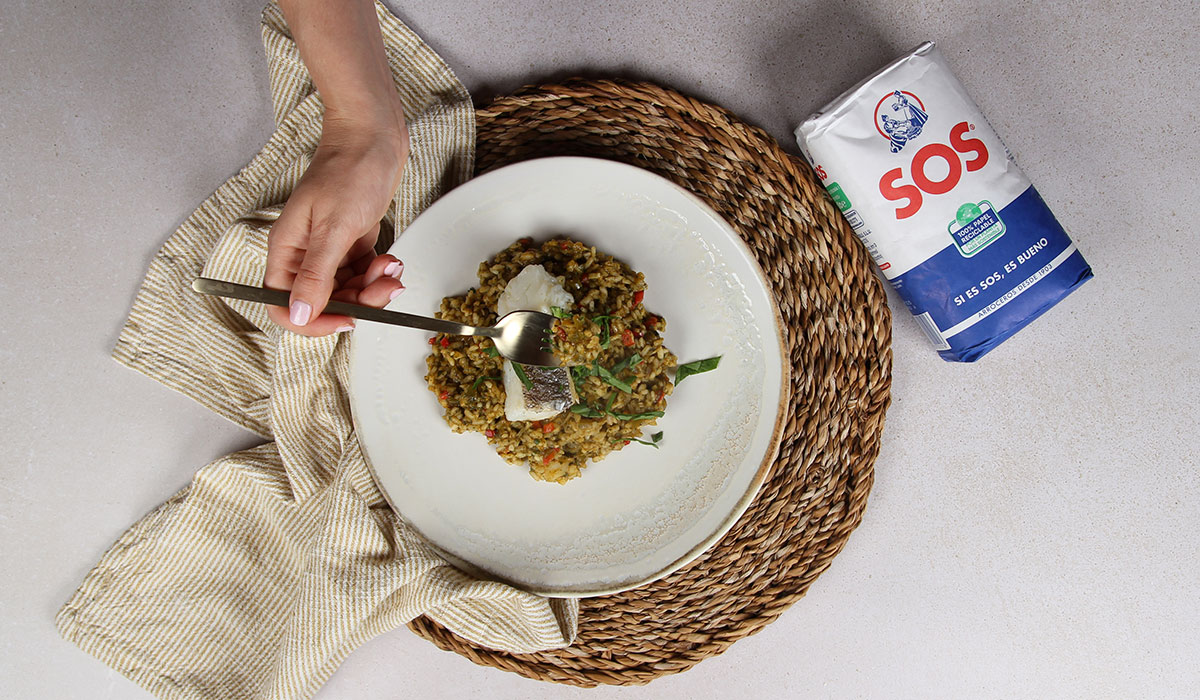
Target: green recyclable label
x: 839, y: 197
x: 975, y: 227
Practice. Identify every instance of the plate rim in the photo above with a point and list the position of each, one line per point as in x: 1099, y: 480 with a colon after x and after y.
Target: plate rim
x: 743, y: 503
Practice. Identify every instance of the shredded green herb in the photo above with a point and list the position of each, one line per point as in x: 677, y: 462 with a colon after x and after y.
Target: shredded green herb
x: 522, y: 376
x: 592, y: 412
x: 491, y: 351
x: 611, y: 379
x: 605, y: 332
x: 653, y: 441
x: 478, y: 381
x: 628, y: 363
x: 686, y: 370
x: 559, y: 312
x: 579, y: 373
x: 636, y: 416
x: 587, y: 411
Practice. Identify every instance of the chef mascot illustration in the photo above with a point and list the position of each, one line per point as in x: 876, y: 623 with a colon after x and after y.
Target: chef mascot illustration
x: 908, y: 126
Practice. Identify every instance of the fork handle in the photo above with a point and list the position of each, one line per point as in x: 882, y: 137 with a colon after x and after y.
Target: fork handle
x: 277, y: 297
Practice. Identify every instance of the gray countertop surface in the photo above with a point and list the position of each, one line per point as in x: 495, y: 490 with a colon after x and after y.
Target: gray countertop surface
x: 1034, y: 524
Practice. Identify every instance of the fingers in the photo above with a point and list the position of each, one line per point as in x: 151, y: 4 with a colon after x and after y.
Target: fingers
x: 384, y: 266
x: 381, y: 282
x: 378, y: 285
x: 287, y: 242
x: 323, y: 325
x: 323, y: 270
x: 286, y: 245
x: 307, y: 262
x: 314, y: 281
x: 362, y: 251
x: 381, y: 289
x: 344, y: 275
x: 361, y: 254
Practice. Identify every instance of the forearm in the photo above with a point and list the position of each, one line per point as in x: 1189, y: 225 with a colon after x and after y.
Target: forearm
x: 342, y: 47
x: 330, y: 223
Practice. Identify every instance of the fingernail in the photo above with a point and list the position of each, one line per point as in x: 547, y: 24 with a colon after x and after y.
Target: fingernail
x: 300, y: 312
x: 395, y: 292
x: 394, y: 269
x: 343, y: 329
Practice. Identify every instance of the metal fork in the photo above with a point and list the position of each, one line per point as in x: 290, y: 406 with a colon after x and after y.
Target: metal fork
x: 521, y: 336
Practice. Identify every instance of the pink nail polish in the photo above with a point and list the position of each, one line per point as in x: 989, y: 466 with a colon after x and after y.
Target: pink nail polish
x: 300, y: 313
x: 343, y: 329
x: 394, y: 269
x: 395, y: 293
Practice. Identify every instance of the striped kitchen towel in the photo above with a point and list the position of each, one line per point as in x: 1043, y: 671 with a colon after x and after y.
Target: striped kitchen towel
x: 263, y: 574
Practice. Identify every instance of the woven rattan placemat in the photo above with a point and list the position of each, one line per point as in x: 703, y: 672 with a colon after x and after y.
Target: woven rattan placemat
x: 837, y: 330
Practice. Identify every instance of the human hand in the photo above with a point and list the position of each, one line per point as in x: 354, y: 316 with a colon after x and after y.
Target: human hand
x: 323, y: 244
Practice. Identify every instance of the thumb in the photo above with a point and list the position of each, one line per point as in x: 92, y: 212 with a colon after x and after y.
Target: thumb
x: 315, y: 278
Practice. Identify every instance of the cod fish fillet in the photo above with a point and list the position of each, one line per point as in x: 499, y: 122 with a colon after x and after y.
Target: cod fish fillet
x: 551, y: 391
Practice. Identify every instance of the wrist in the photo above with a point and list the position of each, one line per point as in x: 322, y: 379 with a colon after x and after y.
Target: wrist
x: 378, y: 123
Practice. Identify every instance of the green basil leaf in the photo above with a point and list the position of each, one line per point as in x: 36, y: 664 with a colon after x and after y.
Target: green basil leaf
x: 686, y: 370
x: 559, y: 312
x: 522, y: 376
x: 628, y: 363
x: 611, y: 380
x: 579, y: 373
x: 605, y: 333
x: 637, y: 416
x: 657, y: 437
x: 491, y: 351
x: 591, y: 412
x: 587, y: 411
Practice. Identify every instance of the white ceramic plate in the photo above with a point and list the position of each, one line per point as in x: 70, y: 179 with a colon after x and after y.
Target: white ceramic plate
x: 640, y: 513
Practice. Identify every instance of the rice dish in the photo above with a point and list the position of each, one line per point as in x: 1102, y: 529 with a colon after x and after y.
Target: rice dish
x: 609, y: 345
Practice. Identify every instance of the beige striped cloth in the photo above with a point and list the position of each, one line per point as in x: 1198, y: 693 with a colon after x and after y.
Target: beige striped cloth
x: 260, y: 577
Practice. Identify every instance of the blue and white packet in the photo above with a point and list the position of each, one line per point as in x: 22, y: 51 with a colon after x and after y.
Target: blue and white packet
x: 936, y: 198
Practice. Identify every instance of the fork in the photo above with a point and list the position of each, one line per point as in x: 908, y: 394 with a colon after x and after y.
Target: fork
x: 520, y: 336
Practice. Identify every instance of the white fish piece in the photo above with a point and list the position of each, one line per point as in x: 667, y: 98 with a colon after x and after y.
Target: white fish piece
x: 551, y: 392
x: 533, y: 289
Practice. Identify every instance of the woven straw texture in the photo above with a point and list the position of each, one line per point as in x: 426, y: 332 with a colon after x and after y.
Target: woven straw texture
x: 837, y: 330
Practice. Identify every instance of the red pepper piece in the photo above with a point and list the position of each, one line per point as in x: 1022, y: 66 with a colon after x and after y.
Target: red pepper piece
x: 638, y: 296
x: 627, y: 337
x: 548, y: 428
x: 444, y: 395
x: 550, y: 455
x: 445, y: 342
x: 490, y: 433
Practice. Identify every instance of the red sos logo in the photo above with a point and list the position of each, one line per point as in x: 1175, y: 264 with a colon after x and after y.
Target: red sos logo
x: 894, y: 188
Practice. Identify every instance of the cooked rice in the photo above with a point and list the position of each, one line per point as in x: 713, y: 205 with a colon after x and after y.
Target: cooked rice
x: 465, y: 374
